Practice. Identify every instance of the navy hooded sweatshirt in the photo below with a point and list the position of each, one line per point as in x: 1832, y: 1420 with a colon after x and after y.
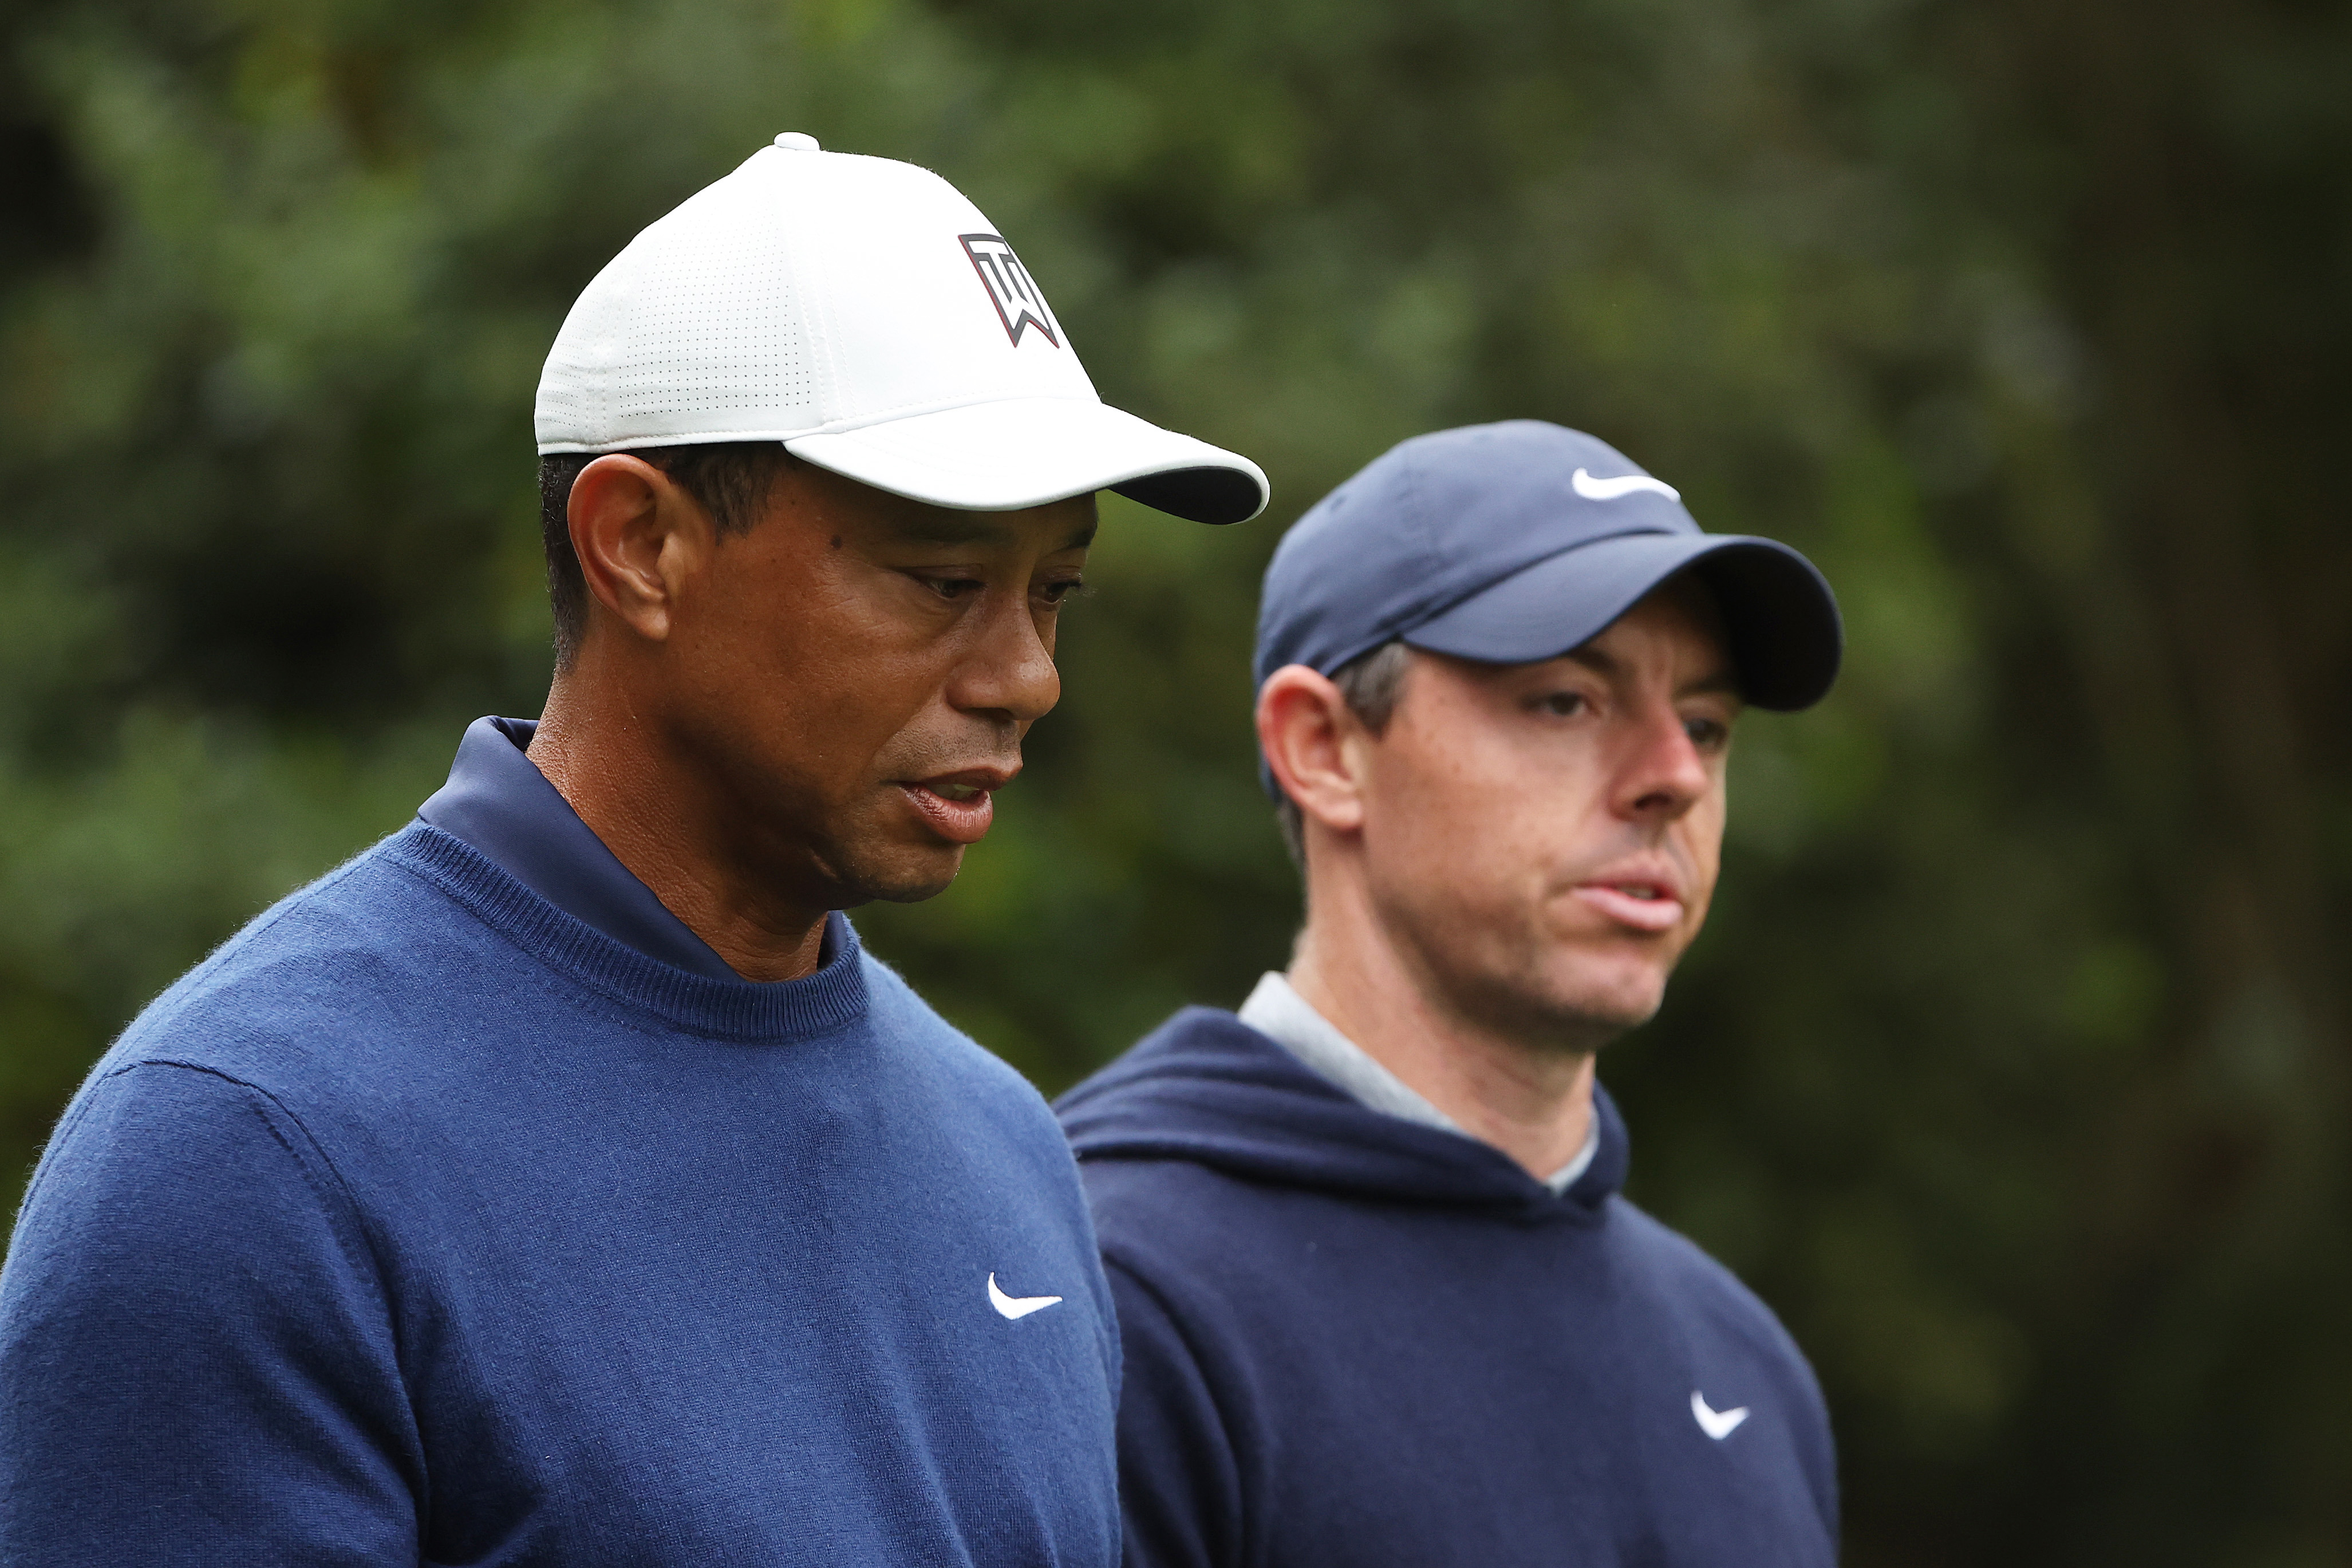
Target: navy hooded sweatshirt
x: 1351, y: 1341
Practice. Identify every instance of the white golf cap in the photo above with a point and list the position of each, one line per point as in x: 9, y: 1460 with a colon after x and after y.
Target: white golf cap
x: 865, y: 314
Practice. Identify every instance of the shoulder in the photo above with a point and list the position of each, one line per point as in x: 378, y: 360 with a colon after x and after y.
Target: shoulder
x: 899, y: 1015
x: 160, y: 1171
x: 175, y: 1125
x: 1147, y: 1208
x: 1714, y: 1306
x: 1228, y: 1258
x: 1683, y: 1270
x: 979, y: 1088
x: 325, y: 995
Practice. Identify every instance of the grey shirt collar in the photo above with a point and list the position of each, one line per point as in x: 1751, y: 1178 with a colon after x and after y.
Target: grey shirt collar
x: 1285, y: 1017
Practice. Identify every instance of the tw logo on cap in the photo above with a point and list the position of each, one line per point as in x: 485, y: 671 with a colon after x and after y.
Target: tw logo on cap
x: 1020, y: 303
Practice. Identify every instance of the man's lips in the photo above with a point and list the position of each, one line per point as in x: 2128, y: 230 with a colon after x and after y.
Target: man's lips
x: 1639, y: 900
x: 958, y: 807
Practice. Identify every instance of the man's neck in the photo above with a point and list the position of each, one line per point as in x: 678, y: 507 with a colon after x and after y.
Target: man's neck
x: 1532, y: 1100
x: 649, y: 811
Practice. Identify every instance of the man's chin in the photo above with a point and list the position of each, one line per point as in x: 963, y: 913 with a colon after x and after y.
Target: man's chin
x: 1599, y: 1007
x: 907, y: 877
x: 1615, y: 1013
x: 1578, y: 1013
x: 1614, y: 978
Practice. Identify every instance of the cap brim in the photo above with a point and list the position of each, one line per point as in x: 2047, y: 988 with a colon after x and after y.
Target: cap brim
x: 1786, y: 635
x: 1024, y: 452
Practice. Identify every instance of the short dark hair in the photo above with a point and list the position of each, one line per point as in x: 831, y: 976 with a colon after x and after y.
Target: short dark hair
x: 1370, y: 684
x: 728, y: 479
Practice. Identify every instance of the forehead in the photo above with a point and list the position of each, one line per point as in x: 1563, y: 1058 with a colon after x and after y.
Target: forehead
x: 1060, y: 525
x: 1067, y: 524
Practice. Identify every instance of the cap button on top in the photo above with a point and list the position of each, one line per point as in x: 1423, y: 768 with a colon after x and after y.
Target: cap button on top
x: 797, y: 142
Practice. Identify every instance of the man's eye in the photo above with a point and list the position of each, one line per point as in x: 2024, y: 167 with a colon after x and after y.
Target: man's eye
x: 1057, y: 592
x: 954, y: 587
x: 1707, y: 734
x: 1564, y: 704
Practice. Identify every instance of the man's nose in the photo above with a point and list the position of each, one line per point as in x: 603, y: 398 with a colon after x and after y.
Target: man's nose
x: 1009, y: 670
x: 1663, y: 775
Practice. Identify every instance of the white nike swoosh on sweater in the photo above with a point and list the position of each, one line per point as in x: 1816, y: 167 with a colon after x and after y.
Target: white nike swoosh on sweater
x: 1593, y: 489
x: 1715, y: 1423
x: 1018, y: 1307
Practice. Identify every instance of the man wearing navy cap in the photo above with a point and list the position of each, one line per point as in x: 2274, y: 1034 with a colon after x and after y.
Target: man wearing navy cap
x: 558, y: 1185
x: 1380, y: 1298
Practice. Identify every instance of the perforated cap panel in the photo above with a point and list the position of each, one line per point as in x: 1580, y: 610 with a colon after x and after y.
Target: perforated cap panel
x: 693, y: 333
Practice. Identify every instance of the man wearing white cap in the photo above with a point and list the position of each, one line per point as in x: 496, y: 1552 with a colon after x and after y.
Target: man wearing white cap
x: 557, y: 1183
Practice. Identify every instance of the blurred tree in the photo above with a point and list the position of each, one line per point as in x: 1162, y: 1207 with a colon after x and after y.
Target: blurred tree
x: 2014, y: 1068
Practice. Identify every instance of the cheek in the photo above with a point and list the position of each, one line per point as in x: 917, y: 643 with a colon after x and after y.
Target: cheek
x: 818, y: 671
x: 1463, y: 824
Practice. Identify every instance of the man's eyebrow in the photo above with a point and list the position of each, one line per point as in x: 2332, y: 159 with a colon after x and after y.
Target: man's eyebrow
x: 969, y: 530
x: 945, y: 528
x: 1724, y: 680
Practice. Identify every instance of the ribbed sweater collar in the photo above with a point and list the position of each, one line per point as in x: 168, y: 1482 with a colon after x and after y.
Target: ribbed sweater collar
x: 831, y: 998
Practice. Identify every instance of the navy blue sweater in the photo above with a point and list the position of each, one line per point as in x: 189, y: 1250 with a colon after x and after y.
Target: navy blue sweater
x: 424, y: 1223
x: 1351, y: 1341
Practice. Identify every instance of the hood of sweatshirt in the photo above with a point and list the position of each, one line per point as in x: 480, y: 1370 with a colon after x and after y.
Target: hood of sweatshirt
x: 1207, y: 1088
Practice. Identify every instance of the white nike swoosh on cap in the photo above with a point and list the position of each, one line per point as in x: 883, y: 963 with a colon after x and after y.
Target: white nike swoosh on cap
x: 1593, y: 489
x: 1715, y: 1423
x: 1018, y: 1307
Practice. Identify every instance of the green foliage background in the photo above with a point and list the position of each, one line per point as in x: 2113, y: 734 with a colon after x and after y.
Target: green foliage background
x: 2014, y: 1068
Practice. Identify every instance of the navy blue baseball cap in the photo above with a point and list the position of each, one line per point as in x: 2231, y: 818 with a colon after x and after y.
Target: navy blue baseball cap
x: 1517, y: 542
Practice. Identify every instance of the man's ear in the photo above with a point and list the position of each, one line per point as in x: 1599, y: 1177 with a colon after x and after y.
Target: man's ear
x: 638, y: 538
x: 1303, y: 728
